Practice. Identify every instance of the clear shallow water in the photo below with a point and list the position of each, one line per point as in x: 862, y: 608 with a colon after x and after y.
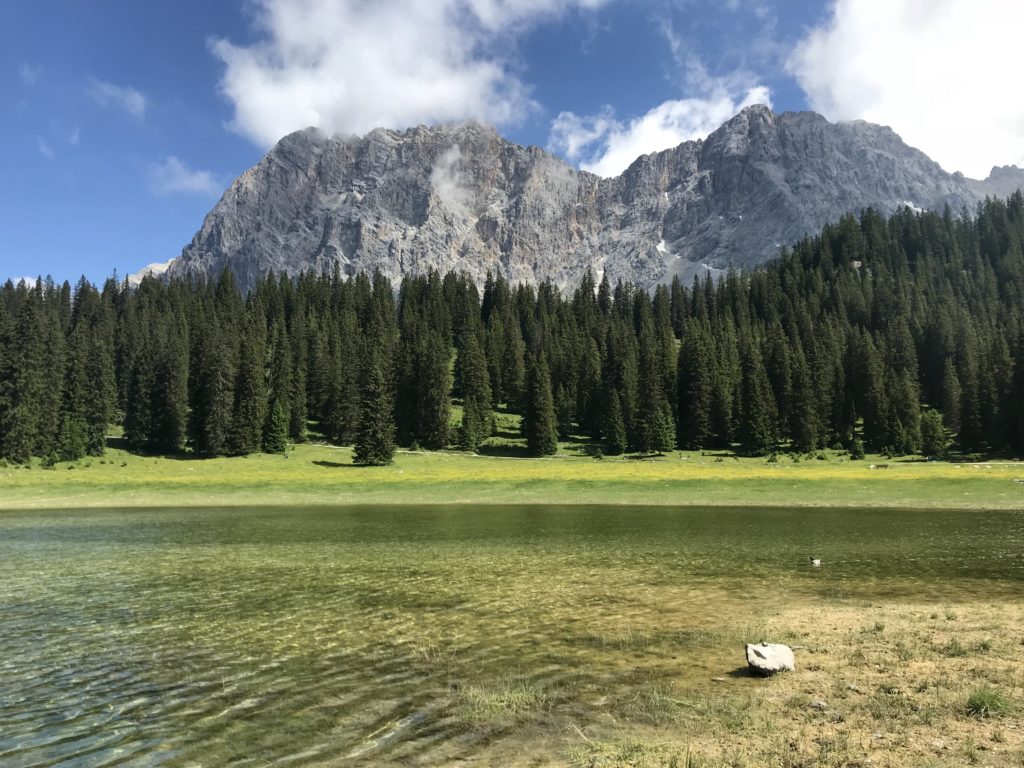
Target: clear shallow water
x: 352, y: 635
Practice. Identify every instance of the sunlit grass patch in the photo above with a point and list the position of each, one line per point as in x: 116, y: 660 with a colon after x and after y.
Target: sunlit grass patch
x: 988, y: 702
x: 653, y: 703
x: 502, y: 703
x: 323, y: 474
x: 627, y: 639
x: 634, y: 754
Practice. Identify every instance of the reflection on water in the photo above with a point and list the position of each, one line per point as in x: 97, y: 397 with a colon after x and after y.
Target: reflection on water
x: 309, y: 636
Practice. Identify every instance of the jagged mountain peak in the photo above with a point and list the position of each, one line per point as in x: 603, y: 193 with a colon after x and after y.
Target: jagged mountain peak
x: 460, y: 196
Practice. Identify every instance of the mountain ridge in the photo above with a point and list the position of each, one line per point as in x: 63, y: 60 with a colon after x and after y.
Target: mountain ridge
x: 459, y: 196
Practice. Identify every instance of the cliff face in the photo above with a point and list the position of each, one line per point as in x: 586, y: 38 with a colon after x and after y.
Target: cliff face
x: 460, y: 197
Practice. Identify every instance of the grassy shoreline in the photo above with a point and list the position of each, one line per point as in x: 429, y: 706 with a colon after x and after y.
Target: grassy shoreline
x: 324, y: 475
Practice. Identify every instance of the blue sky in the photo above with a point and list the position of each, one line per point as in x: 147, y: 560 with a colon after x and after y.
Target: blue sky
x: 124, y: 121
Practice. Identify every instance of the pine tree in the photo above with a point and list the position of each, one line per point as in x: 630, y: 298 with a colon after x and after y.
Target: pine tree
x: 476, y: 394
x: 101, y: 384
x: 756, y: 428
x: 298, y: 396
x: 614, y: 429
x: 170, y: 409
x: 275, y: 430
x: 249, y: 412
x: 695, y: 388
x: 1016, y: 399
x: 538, y: 424
x: 655, y: 426
x: 433, y: 413
x: 934, y: 436
x: 212, y: 383
x: 804, y: 425
x: 56, y: 307
x: 375, y: 433
x: 951, y: 397
x: 71, y: 441
x: 564, y: 407
x: 513, y: 366
x: 139, y: 419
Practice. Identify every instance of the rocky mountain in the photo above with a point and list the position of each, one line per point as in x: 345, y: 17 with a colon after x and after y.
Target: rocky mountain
x: 461, y: 197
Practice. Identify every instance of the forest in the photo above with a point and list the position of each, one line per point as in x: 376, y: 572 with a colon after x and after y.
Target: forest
x: 900, y: 335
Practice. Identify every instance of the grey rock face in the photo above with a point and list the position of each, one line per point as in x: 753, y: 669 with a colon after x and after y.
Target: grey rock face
x: 460, y: 197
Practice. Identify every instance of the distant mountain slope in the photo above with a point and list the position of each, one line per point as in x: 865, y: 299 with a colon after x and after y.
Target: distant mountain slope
x: 462, y: 197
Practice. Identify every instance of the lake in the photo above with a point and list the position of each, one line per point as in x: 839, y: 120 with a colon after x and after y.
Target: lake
x: 420, y: 635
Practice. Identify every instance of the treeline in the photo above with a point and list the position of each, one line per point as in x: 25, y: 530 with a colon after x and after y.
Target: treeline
x: 897, y: 335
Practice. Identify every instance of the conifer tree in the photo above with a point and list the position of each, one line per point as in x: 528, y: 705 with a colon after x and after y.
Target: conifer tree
x: 538, y: 424
x: 7, y: 378
x: 249, y: 412
x: 804, y: 425
x: 375, y: 432
x: 695, y: 388
x: 951, y: 397
x: 170, y: 408
x: 614, y: 428
x: 756, y: 428
x: 655, y: 425
x: 139, y: 419
x: 101, y: 385
x: 934, y: 436
x: 71, y: 441
x: 1016, y: 399
x: 212, y: 382
x: 52, y: 369
x: 275, y: 430
x: 564, y: 408
x: 298, y: 397
x: 433, y: 413
x: 513, y: 365
x: 476, y: 394
x: 281, y: 381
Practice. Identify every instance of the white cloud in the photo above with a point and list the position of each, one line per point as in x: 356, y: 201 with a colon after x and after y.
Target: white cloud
x: 941, y: 74
x: 28, y: 74
x: 120, y: 96
x: 44, y: 148
x: 607, y: 146
x: 447, y: 180
x: 347, y: 66
x: 172, y: 176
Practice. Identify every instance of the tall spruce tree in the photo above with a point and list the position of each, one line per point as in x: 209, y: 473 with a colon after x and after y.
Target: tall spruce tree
x: 614, y: 428
x: 433, y: 412
x: 476, y: 423
x: 249, y: 412
x: 695, y: 388
x: 275, y: 429
x: 375, y: 432
x: 538, y: 425
x: 756, y: 428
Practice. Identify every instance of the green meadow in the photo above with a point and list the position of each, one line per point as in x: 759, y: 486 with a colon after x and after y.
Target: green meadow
x: 322, y: 474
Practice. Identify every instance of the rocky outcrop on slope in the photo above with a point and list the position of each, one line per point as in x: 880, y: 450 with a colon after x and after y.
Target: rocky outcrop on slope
x: 460, y: 197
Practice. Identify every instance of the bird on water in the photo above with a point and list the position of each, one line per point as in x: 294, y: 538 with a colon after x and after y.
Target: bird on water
x: 814, y: 561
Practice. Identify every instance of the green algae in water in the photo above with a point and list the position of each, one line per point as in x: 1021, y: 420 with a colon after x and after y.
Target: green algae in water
x: 418, y: 635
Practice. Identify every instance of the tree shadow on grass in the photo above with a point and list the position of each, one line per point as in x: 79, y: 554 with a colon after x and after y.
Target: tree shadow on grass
x: 337, y: 465
x: 508, y: 451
